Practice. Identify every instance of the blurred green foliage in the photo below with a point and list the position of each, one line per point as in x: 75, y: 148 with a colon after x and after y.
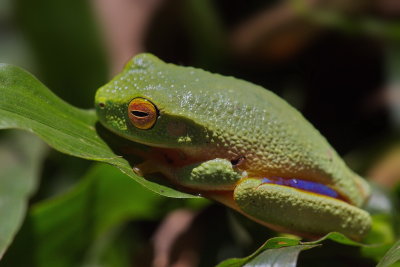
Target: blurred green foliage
x: 21, y: 155
x: 69, y: 227
x: 67, y: 47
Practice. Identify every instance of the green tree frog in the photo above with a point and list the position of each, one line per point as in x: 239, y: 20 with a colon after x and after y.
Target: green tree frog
x: 236, y: 143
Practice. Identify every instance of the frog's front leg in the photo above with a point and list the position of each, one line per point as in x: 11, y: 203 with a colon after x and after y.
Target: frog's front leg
x: 298, y: 211
x: 212, y: 175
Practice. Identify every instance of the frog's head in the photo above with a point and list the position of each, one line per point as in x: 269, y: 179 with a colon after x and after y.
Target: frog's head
x: 145, y: 104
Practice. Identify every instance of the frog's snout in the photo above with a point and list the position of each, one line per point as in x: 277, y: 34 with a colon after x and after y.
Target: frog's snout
x: 101, y: 106
x: 99, y: 100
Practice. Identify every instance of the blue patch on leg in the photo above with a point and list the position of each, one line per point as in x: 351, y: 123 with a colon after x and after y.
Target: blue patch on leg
x: 303, y: 185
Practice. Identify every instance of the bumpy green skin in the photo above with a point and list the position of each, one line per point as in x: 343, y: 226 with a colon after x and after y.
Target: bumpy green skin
x: 215, y: 174
x: 267, y: 201
x: 209, y: 116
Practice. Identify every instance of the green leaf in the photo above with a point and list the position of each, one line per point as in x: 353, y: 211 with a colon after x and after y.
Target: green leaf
x: 71, y: 229
x: 283, y: 251
x: 272, y: 243
x: 27, y: 104
x: 381, y: 233
x: 21, y: 155
x: 338, y: 238
x: 285, y: 257
x: 392, y: 256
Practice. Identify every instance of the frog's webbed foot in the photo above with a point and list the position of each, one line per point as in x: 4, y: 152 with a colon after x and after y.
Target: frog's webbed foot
x: 289, y: 209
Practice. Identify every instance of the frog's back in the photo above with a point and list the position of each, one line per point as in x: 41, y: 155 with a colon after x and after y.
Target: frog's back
x: 247, y: 120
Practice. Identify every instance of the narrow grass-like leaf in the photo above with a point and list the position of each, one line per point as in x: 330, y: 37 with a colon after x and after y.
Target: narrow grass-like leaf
x: 20, y: 157
x: 25, y: 103
x: 392, y: 256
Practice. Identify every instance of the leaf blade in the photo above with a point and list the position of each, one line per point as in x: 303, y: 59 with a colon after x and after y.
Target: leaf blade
x: 21, y: 155
x: 392, y: 256
x: 28, y: 105
x: 279, y: 257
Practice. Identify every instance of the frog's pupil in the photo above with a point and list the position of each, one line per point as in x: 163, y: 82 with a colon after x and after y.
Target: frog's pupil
x: 140, y: 114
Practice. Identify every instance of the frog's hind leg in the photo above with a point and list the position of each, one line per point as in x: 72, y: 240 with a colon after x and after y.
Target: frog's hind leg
x: 298, y: 211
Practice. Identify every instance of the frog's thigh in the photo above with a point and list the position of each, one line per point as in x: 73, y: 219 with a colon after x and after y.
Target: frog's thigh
x: 298, y: 211
x: 216, y: 174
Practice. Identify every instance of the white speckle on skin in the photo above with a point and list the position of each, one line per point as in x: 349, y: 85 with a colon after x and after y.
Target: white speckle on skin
x: 186, y: 99
x: 139, y: 62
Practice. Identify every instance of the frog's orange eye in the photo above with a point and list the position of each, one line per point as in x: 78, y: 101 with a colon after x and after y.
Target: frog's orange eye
x: 142, y: 113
